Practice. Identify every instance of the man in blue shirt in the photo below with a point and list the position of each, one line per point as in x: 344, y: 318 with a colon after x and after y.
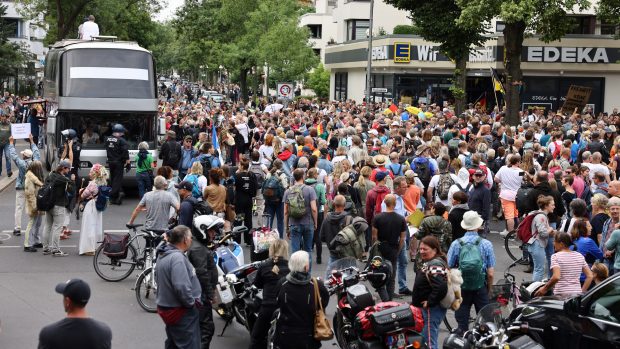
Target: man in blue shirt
x: 472, y: 223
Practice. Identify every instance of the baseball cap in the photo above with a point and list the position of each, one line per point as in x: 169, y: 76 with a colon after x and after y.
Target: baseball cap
x: 76, y: 290
x: 188, y: 137
x: 64, y: 163
x: 380, y: 176
x: 184, y: 185
x: 478, y: 172
x: 27, y: 153
x: 306, y: 149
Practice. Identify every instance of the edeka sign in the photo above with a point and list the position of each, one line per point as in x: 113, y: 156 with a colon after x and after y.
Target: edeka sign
x: 402, y: 52
x: 550, y: 54
x: 379, y: 53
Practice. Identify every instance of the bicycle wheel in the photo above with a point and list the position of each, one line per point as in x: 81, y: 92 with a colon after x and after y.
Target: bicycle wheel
x: 114, y: 269
x: 146, y: 291
x: 514, y: 247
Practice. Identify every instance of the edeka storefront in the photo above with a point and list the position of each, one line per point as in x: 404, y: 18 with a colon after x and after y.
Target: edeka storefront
x: 407, y: 68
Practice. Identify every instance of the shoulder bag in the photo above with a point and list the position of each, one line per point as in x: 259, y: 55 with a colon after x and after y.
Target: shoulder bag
x: 322, y: 328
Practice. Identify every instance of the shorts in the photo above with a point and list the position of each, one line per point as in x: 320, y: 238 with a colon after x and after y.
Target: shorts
x: 509, y: 208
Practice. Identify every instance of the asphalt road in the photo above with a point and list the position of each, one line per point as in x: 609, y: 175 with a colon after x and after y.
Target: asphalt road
x: 28, y: 301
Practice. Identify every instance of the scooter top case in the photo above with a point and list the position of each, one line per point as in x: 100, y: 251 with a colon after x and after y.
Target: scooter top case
x: 229, y: 258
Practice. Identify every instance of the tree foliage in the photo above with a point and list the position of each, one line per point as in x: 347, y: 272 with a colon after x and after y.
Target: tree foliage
x: 126, y: 19
x: 547, y: 18
x: 318, y: 81
x: 455, y: 39
x: 405, y: 29
x: 12, y: 55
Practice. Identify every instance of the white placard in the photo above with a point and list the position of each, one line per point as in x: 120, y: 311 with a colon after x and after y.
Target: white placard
x: 20, y: 131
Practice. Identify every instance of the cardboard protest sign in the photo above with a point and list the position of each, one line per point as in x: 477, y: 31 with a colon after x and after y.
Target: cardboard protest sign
x: 577, y: 97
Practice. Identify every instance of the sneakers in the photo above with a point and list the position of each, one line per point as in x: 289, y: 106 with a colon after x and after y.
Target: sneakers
x: 405, y: 292
x: 504, y: 232
x: 30, y: 249
x: 47, y: 251
x: 59, y: 253
x: 17, y: 232
x: 39, y: 245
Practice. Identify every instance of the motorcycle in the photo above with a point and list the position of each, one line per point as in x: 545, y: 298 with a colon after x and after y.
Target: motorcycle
x: 492, y: 329
x: 359, y: 323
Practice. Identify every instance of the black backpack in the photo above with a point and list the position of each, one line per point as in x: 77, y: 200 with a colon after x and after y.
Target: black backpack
x: 173, y: 152
x: 523, y: 200
x: 45, y: 197
x: 205, y: 161
x: 423, y: 170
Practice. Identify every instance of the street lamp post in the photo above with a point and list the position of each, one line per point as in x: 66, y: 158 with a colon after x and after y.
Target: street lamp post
x: 369, y: 64
x: 219, y: 79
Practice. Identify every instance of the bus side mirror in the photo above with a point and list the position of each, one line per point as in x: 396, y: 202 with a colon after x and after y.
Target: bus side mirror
x: 162, y: 126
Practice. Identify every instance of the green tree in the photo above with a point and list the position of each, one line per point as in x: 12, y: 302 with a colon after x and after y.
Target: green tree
x: 126, y: 19
x: 547, y: 18
x: 318, y: 81
x: 13, y: 57
x: 456, y: 39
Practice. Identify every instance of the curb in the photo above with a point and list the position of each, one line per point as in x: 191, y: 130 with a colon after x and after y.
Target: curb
x: 6, y: 182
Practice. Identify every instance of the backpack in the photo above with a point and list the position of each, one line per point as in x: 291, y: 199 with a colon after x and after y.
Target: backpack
x: 470, y: 265
x: 192, y: 178
x: 101, y: 202
x: 173, y: 152
x: 273, y: 190
x: 468, y: 162
x: 348, y: 242
x: 398, y: 172
x: 523, y: 200
x: 586, y: 195
x: 259, y: 173
x: 205, y: 161
x: 466, y: 189
x: 202, y: 208
x: 296, y: 202
x: 379, y: 201
x: 45, y: 197
x: 445, y: 182
x: 524, y: 230
x: 557, y: 150
x: 423, y: 170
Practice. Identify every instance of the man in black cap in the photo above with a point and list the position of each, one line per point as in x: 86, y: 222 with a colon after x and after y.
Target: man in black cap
x: 77, y: 330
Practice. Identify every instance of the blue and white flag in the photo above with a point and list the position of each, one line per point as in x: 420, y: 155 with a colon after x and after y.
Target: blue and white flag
x: 216, y: 144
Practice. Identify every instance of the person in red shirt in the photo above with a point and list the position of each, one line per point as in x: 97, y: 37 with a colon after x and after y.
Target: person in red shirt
x: 379, y: 161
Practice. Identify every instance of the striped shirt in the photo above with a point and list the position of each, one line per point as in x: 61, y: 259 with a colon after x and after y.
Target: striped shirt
x: 571, y: 264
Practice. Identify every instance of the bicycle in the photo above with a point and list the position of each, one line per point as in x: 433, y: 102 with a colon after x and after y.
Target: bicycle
x: 515, y: 248
x: 505, y: 292
x: 146, y: 290
x: 117, y: 269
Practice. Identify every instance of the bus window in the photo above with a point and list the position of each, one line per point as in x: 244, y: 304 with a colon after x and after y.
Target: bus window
x: 93, y: 128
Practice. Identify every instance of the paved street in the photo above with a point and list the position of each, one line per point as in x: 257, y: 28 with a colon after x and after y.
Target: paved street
x: 28, y: 301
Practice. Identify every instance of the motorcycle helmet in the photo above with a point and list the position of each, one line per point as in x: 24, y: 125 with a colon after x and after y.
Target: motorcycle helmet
x: 205, y: 223
x: 376, y: 270
x: 534, y: 287
x: 118, y: 128
x: 69, y: 133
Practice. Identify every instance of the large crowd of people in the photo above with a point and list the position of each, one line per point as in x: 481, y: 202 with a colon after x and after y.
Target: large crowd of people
x: 303, y: 167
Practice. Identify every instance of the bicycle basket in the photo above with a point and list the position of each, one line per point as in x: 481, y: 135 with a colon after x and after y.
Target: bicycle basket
x: 499, y: 291
x: 115, y: 245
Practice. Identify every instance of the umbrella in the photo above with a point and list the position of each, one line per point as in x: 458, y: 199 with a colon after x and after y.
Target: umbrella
x: 387, y: 111
x: 271, y: 108
x: 413, y: 110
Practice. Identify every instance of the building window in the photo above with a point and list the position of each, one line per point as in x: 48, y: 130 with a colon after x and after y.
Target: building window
x: 12, y: 27
x: 582, y: 24
x: 316, y: 31
x: 608, y: 28
x: 356, y: 29
x: 340, y: 86
x: 317, y: 52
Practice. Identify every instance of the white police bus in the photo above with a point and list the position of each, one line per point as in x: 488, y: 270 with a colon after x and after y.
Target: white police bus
x: 92, y: 85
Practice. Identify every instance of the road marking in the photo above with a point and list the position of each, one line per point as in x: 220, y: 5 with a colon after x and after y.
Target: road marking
x: 10, y: 232
x: 20, y: 246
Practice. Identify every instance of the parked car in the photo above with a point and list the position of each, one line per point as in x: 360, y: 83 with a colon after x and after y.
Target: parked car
x: 217, y: 98
x: 591, y: 320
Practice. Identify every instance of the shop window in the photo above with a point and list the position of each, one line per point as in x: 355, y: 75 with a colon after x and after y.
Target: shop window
x: 316, y: 31
x: 340, y: 86
x: 582, y: 25
x: 357, y: 29
x: 608, y: 28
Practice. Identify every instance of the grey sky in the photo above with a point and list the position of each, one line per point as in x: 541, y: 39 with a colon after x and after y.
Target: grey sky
x: 169, y: 7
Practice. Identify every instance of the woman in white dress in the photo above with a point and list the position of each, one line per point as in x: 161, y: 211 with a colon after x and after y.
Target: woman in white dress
x: 92, y: 219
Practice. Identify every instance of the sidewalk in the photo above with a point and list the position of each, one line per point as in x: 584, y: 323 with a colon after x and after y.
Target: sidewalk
x: 6, y: 182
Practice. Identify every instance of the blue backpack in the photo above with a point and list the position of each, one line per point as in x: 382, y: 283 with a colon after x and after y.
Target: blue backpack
x: 195, y: 187
x: 101, y: 202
